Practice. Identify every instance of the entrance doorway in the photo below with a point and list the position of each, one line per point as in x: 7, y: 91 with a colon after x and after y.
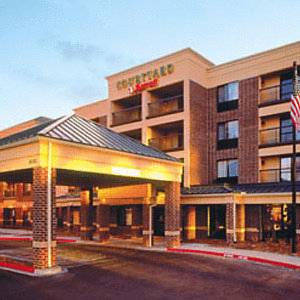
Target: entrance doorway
x: 159, y: 220
x: 217, y: 221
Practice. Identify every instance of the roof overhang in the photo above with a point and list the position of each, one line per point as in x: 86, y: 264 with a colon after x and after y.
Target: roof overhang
x: 33, y: 153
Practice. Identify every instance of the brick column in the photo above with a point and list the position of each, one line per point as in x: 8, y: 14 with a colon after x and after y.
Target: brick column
x: 172, y: 214
x: 40, y: 219
x: 1, y: 191
x: 102, y: 220
x: 146, y: 229
x: 86, y: 199
x: 229, y: 222
x: 19, y: 208
x: 253, y: 222
x: 201, y: 221
x: 190, y: 223
x: 1, y: 213
x: 240, y: 222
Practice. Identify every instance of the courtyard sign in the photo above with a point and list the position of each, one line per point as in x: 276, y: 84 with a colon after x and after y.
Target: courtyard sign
x: 145, y: 80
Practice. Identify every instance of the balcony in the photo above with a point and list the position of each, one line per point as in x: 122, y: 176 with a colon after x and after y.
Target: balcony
x: 165, y: 106
x: 277, y: 175
x: 276, y: 136
x: 167, y: 143
x: 275, y: 94
x: 127, y: 115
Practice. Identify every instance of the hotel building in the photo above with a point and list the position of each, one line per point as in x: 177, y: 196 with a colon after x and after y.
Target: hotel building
x: 228, y: 124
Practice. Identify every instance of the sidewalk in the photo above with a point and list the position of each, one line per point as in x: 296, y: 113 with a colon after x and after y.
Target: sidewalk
x: 287, y: 261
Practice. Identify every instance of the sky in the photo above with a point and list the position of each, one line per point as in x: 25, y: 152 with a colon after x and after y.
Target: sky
x: 55, y: 54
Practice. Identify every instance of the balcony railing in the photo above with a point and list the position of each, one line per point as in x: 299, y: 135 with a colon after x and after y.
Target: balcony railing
x: 165, y: 106
x: 275, y: 93
x: 276, y: 135
x: 168, y: 143
x: 278, y: 175
x: 127, y: 115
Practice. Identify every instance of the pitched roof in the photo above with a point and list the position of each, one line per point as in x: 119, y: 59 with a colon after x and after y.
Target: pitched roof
x: 76, y: 129
x: 252, y: 188
x: 209, y: 189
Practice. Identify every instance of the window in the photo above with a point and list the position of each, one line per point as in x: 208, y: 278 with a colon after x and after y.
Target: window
x: 285, y: 168
x: 228, y: 134
x: 286, y: 88
x: 227, y: 169
x: 228, y: 92
x: 286, y: 130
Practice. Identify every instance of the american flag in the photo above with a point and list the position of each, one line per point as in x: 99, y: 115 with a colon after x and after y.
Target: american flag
x: 295, y: 111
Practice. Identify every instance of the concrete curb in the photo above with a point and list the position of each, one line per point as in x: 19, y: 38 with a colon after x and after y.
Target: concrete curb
x: 238, y: 257
x: 29, y: 239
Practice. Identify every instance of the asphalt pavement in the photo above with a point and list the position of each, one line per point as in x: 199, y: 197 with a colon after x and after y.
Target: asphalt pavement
x: 132, y: 274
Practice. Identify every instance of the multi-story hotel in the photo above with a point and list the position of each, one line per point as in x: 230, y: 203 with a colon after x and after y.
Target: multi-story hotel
x: 230, y: 126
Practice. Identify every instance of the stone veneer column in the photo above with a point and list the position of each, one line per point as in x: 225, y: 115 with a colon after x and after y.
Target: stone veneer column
x: 1, y: 202
x: 102, y: 221
x: 40, y: 219
x: 146, y: 229
x: 86, y: 200
x: 172, y: 214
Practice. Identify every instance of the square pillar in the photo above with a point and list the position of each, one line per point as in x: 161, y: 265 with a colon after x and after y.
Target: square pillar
x: 146, y: 229
x: 102, y: 221
x: 202, y: 214
x: 240, y: 222
x: 86, y: 215
x: 44, y: 257
x: 229, y: 222
x: 190, y: 223
x: 172, y: 214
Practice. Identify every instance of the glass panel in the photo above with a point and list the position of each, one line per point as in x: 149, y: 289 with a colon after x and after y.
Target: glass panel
x: 233, y: 168
x: 286, y: 89
x: 285, y: 169
x: 221, y: 132
x: 221, y: 94
x: 233, y: 91
x: 233, y: 129
x: 222, y: 169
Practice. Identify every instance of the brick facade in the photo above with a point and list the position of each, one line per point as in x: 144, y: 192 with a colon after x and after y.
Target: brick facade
x: 102, y: 221
x: 248, y: 124
x: 86, y: 214
x: 172, y: 214
x: 40, y: 218
x: 198, y: 134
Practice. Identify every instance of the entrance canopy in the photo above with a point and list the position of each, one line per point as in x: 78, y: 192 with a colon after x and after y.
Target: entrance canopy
x: 84, y: 153
x: 78, y: 152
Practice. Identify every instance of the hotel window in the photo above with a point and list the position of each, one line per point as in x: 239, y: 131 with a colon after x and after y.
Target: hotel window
x: 286, y: 130
x: 285, y: 168
x: 228, y: 96
x: 228, y: 134
x: 227, y: 170
x: 286, y: 86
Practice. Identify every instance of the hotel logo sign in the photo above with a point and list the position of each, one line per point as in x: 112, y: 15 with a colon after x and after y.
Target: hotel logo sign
x: 143, y: 81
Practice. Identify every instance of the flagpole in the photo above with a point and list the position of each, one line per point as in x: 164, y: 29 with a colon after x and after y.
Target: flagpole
x: 293, y: 173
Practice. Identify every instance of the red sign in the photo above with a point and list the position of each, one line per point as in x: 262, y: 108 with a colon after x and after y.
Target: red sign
x: 139, y: 87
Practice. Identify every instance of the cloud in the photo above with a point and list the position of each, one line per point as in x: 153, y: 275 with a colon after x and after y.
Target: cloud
x: 78, y: 51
